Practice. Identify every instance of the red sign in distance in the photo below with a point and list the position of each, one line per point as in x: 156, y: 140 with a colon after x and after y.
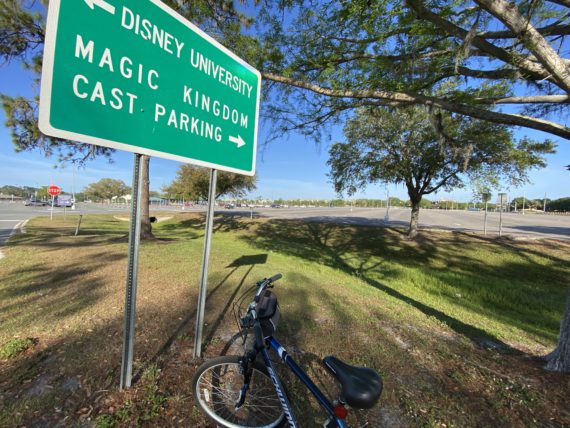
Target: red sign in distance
x: 54, y: 190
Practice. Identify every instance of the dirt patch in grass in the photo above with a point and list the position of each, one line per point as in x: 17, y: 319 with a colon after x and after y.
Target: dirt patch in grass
x: 440, y: 318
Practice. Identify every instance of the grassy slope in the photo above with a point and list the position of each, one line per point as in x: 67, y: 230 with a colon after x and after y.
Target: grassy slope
x: 421, y: 312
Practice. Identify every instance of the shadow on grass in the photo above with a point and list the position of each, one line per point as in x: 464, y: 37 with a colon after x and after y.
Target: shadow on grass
x: 90, y: 354
x: 249, y: 260
x: 506, y: 291
x: 191, y: 225
x: 544, y: 229
x: 49, y: 293
x: 94, y: 231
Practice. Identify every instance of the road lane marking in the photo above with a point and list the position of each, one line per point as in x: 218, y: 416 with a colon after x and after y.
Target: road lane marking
x: 20, y: 224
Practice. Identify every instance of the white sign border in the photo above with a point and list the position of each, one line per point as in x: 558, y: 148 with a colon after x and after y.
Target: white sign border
x: 47, y: 84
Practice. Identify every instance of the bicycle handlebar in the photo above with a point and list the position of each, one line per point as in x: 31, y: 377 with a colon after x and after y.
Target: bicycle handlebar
x: 247, y: 321
x: 264, y: 283
x: 275, y: 277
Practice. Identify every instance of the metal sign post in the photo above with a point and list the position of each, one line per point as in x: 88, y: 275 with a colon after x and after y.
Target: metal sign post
x: 205, y: 258
x: 53, y: 190
x: 132, y: 270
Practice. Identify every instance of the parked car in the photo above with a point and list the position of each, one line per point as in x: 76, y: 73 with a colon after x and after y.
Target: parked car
x: 64, y: 201
x: 34, y: 203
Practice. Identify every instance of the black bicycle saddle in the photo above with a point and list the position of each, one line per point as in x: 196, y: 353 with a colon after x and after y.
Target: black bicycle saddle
x: 361, y: 386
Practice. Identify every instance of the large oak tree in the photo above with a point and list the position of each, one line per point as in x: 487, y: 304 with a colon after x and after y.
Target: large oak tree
x: 193, y: 182
x: 106, y: 188
x: 426, y: 153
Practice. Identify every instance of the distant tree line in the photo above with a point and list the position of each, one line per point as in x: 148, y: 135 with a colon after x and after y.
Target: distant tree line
x: 552, y: 205
x: 17, y: 191
x: 106, y: 188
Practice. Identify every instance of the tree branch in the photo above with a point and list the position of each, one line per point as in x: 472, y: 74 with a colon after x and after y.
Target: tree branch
x: 539, y: 99
x: 490, y: 74
x: 526, y: 66
x: 411, y: 98
x: 549, y: 30
x: 509, y: 15
x: 442, y: 182
x: 565, y: 3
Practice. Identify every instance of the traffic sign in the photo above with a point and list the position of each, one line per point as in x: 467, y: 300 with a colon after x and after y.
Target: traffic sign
x: 54, y: 190
x: 135, y: 75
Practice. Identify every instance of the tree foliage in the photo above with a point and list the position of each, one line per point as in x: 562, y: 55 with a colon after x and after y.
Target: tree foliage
x: 562, y: 204
x: 193, y: 182
x: 22, y: 34
x: 106, y: 188
x: 22, y: 192
x: 465, y: 57
x: 427, y: 152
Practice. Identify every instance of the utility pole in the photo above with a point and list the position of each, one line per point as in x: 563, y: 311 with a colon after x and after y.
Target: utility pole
x: 387, y: 216
x: 73, y: 189
x: 544, y: 204
x: 485, y: 220
x: 501, y: 199
x: 524, y: 200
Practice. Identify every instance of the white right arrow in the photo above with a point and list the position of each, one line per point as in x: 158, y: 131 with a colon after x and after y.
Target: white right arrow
x: 237, y: 140
x: 102, y: 4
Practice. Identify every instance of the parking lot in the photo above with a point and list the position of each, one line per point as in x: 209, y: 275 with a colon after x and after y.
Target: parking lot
x: 530, y: 225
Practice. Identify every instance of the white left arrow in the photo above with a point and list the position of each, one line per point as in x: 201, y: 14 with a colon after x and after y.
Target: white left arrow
x: 237, y: 140
x: 102, y: 4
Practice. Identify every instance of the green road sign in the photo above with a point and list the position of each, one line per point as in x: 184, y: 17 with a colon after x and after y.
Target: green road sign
x: 134, y: 75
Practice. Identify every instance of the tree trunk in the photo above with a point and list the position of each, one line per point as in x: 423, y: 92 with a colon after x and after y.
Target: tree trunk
x: 413, y: 230
x: 146, y: 226
x: 559, y: 360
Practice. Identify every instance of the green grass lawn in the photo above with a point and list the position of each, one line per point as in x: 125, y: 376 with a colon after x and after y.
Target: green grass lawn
x: 455, y: 323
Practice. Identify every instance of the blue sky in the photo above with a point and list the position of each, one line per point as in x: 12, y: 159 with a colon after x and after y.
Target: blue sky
x: 291, y: 168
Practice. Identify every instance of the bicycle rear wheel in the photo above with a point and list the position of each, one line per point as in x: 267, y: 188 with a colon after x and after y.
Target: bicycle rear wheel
x: 216, y: 387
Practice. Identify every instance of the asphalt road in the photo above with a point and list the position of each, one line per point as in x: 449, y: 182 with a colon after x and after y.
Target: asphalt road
x: 514, y: 224
x: 11, y: 216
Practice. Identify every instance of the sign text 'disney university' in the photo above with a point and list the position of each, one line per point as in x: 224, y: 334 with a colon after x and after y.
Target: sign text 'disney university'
x: 134, y: 75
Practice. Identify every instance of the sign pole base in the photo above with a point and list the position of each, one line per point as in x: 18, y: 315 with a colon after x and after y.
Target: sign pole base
x: 132, y: 270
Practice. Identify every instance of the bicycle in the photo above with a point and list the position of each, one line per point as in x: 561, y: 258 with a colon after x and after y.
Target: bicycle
x: 240, y: 391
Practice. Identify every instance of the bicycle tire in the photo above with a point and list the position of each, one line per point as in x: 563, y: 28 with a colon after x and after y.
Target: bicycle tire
x: 216, y: 386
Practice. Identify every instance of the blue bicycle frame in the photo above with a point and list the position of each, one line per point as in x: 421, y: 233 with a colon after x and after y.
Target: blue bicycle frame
x: 323, y: 401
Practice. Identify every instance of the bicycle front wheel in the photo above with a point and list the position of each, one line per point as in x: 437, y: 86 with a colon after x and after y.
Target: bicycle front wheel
x: 216, y: 387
